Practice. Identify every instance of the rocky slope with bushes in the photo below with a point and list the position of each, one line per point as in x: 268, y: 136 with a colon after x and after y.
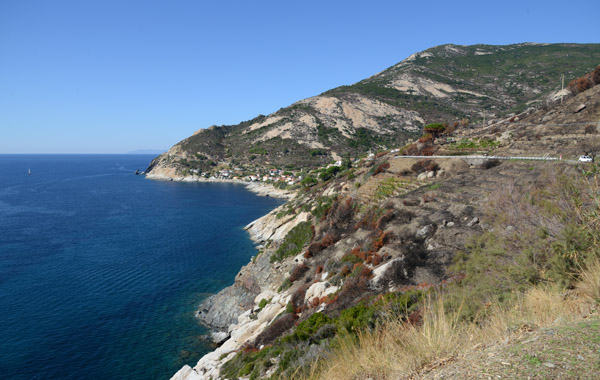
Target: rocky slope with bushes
x: 448, y: 84
x: 393, y: 266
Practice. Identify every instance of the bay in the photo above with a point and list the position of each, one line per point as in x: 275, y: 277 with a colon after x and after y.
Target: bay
x: 101, y: 270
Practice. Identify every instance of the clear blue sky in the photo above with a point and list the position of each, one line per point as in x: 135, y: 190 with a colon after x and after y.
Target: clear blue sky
x: 87, y: 76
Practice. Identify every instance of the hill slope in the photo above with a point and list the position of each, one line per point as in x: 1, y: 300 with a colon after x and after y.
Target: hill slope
x: 371, y: 243
x: 445, y: 83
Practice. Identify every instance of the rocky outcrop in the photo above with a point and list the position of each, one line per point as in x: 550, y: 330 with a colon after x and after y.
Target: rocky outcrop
x: 247, y: 327
x: 222, y: 309
x: 234, y: 311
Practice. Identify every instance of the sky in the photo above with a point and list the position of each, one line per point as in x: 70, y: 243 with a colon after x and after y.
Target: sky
x: 116, y: 76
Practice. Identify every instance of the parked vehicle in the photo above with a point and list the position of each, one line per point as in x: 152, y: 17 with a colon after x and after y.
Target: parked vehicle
x: 585, y: 159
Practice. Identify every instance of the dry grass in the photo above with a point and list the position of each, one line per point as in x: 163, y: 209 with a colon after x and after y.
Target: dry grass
x: 399, y: 350
x: 589, y: 282
x: 397, y: 347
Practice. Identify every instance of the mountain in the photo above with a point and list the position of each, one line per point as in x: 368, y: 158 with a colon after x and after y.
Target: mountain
x: 448, y: 83
x: 397, y: 266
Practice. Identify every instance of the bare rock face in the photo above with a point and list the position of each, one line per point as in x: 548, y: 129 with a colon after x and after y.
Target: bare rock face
x: 222, y: 309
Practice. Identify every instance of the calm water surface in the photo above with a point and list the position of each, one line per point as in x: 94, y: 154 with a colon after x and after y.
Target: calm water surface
x: 101, y: 270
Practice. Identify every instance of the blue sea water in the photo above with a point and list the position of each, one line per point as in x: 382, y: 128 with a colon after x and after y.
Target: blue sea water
x: 101, y: 271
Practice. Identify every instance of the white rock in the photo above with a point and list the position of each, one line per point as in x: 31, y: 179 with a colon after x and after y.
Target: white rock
x: 265, y: 295
x: 380, y: 270
x: 425, y: 231
x: 244, y: 316
x: 187, y: 373
x: 300, y: 259
x: 318, y: 290
x: 219, y: 337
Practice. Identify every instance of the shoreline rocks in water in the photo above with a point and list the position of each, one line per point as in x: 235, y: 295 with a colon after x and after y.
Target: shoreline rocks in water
x: 234, y: 313
x: 259, y: 188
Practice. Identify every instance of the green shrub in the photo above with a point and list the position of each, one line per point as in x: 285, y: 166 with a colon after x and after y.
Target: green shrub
x: 293, y: 242
x: 306, y: 329
x: 284, y: 285
x: 435, y: 129
x: 329, y: 173
x: 317, y: 152
x: 308, y: 181
x: 258, y: 150
x: 323, y: 206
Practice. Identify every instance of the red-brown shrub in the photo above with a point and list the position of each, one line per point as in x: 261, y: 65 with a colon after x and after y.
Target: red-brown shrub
x: 345, y: 271
x: 328, y: 240
x: 369, y: 219
x: 429, y: 150
x: 319, y: 269
x: 365, y: 272
x: 275, y: 329
x: 580, y: 84
x: 381, y: 168
x: 249, y: 349
x: 376, y: 260
x: 429, y: 197
x: 389, y: 215
x: 379, y: 241
x: 298, y: 296
x: 433, y: 166
x: 411, y: 150
x: 415, y: 318
x: 596, y: 75
x: 356, y: 266
x: 426, y: 138
x: 297, y: 272
x: 420, y: 166
x: 331, y: 300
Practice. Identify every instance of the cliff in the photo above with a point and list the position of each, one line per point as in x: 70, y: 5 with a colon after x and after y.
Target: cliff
x: 390, y: 228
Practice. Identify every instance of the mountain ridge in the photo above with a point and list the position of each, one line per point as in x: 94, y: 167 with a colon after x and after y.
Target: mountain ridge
x: 446, y: 83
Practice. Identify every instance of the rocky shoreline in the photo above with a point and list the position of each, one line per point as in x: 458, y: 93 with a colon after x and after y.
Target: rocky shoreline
x: 259, y: 188
x: 233, y: 314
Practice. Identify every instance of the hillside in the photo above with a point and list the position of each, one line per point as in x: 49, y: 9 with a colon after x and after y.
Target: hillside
x: 448, y: 83
x: 349, y: 270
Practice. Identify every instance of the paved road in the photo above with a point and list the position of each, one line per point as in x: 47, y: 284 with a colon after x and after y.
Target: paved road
x: 481, y: 157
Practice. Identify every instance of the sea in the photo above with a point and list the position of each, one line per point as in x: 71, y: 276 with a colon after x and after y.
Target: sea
x: 101, y: 270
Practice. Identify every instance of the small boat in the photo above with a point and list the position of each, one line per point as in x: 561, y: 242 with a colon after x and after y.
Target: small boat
x: 29, y: 171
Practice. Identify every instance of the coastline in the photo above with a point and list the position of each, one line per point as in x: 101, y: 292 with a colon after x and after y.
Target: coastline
x: 228, y: 313
x: 259, y: 188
